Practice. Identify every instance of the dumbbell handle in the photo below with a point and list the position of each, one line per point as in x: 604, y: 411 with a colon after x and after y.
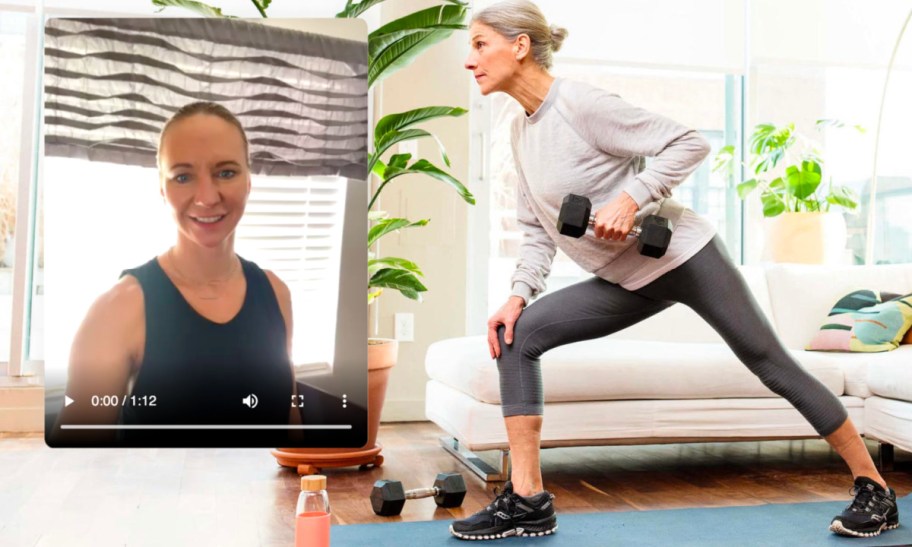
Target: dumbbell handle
x: 421, y: 493
x: 634, y: 232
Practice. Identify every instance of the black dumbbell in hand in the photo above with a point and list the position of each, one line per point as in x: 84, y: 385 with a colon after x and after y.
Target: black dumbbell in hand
x: 388, y: 497
x: 653, y: 234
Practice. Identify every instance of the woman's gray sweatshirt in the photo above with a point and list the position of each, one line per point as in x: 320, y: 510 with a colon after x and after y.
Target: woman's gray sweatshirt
x: 584, y: 140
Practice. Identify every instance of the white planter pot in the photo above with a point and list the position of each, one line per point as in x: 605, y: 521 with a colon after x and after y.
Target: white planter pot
x: 805, y: 238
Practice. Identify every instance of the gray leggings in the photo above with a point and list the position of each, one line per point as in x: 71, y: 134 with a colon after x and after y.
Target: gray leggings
x: 709, y: 284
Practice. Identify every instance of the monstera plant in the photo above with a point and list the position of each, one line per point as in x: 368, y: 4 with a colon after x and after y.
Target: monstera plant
x: 391, y: 47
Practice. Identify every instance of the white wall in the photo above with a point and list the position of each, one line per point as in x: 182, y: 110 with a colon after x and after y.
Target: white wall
x: 348, y: 29
x: 831, y: 32
x: 681, y: 33
x: 436, y: 78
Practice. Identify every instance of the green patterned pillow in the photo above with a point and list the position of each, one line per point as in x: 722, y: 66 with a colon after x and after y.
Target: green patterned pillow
x: 865, y: 321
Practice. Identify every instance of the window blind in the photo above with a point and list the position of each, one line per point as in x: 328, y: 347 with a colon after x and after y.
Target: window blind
x: 293, y: 226
x: 110, y: 85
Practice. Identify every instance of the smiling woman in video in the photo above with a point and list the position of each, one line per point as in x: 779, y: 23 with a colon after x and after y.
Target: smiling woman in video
x: 197, y: 335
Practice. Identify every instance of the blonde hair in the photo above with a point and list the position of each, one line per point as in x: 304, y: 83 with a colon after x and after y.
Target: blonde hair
x: 211, y: 109
x: 515, y: 17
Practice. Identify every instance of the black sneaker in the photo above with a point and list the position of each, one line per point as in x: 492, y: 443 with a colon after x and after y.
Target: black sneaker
x: 871, y: 512
x: 510, y: 515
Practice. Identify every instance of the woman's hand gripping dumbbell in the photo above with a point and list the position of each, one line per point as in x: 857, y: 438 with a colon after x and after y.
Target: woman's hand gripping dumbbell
x: 653, y: 234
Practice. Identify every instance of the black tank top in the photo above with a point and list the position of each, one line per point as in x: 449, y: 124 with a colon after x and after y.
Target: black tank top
x: 199, y: 371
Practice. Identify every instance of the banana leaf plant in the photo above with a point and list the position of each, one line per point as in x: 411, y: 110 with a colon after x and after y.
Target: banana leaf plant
x: 391, y: 47
x: 397, y: 273
x: 797, y: 186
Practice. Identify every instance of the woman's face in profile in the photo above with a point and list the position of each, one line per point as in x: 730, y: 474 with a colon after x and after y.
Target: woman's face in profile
x: 492, y: 58
x: 204, y: 177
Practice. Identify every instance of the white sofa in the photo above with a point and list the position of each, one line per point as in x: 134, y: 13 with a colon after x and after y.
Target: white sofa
x: 672, y: 379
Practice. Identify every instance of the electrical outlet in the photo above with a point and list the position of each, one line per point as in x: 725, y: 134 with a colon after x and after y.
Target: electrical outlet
x: 404, y: 329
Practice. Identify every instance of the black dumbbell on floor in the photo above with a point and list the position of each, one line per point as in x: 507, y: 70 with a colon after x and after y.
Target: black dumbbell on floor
x: 653, y: 234
x: 388, y: 497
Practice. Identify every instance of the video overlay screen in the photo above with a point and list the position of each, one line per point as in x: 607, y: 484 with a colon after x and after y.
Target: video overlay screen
x: 205, y: 226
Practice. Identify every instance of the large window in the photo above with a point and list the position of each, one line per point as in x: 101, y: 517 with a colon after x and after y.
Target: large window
x: 803, y: 93
x: 104, y: 218
x: 892, y: 242
x: 702, y: 100
x: 835, y: 68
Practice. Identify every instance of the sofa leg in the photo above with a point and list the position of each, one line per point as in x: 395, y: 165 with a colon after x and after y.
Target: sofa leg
x: 885, y: 457
x: 476, y: 464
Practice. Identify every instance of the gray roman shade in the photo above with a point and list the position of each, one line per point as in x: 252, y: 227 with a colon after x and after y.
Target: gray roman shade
x: 110, y: 85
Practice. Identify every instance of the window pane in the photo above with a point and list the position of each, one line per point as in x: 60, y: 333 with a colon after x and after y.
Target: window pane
x: 12, y: 58
x: 802, y: 94
x: 893, y: 198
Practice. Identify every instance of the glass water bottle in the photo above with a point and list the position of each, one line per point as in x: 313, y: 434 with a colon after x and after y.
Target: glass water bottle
x: 312, y: 513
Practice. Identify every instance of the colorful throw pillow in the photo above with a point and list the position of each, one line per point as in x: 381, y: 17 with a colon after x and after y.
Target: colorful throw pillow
x: 865, y: 321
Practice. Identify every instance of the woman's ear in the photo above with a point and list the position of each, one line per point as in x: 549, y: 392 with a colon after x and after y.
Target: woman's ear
x: 521, y: 46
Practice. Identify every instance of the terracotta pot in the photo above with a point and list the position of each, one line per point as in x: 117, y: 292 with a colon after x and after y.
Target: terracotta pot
x: 382, y: 354
x: 381, y: 357
x: 805, y: 238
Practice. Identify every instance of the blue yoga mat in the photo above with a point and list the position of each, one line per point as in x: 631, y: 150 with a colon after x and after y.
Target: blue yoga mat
x: 802, y: 524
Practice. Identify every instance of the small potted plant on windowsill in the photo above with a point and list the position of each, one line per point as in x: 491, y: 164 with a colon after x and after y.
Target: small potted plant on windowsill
x: 788, y: 173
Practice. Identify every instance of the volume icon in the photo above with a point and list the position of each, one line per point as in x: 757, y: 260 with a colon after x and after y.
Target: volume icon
x: 250, y: 400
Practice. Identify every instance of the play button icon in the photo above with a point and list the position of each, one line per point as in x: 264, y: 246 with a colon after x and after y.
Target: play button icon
x: 67, y: 401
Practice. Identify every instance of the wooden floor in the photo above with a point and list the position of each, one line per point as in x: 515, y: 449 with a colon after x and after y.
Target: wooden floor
x: 241, y: 497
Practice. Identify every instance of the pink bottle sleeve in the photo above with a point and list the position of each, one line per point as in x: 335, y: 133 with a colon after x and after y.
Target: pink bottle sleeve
x: 312, y: 530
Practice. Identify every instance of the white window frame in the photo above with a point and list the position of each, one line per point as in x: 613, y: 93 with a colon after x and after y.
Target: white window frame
x: 19, y: 369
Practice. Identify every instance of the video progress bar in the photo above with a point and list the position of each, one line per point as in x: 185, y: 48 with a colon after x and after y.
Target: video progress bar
x: 239, y: 426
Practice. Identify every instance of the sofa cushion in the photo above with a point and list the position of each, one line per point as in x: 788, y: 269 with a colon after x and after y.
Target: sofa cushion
x: 889, y: 421
x: 879, y: 326
x: 609, y: 369
x: 802, y: 295
x: 480, y: 426
x: 854, y: 369
x: 891, y: 376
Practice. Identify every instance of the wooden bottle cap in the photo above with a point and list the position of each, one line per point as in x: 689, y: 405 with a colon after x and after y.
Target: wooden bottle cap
x: 313, y: 483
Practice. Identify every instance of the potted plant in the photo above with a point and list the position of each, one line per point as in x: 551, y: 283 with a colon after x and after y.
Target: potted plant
x: 393, y: 272
x: 391, y: 47
x: 787, y: 170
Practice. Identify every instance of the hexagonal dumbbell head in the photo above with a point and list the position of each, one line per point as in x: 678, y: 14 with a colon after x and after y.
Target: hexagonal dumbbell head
x: 573, y: 219
x: 451, y: 490
x: 387, y: 498
x: 655, y: 235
